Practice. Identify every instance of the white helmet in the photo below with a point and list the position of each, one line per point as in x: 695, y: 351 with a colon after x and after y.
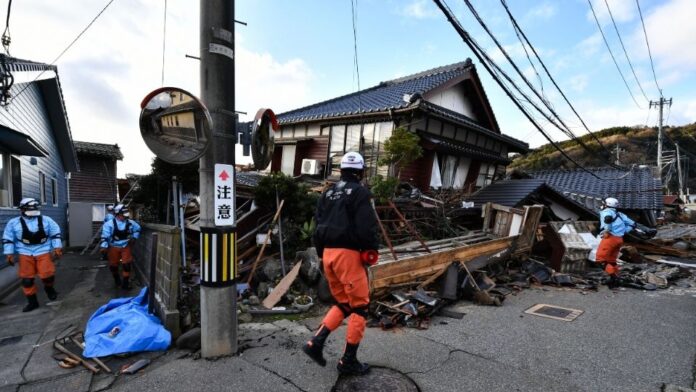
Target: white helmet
x: 352, y: 160
x: 611, y: 202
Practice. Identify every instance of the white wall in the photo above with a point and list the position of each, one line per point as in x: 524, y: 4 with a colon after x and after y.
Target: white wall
x: 454, y: 99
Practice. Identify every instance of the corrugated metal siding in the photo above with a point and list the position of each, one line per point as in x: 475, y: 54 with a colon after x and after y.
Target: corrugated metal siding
x: 27, y: 114
x: 96, y: 180
x: 312, y: 149
x: 419, y: 171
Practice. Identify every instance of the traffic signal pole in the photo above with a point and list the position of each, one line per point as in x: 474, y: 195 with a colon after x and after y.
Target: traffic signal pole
x: 218, y: 251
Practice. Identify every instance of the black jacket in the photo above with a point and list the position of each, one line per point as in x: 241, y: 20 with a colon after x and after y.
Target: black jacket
x: 345, y: 217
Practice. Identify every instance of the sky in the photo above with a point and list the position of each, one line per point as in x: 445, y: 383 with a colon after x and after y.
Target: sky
x: 295, y: 53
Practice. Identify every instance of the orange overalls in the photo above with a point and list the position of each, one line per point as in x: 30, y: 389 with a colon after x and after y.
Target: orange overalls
x: 347, y: 277
x: 608, y: 253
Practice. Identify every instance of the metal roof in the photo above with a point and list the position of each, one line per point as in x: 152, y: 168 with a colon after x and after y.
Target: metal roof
x: 98, y: 149
x: 636, y: 189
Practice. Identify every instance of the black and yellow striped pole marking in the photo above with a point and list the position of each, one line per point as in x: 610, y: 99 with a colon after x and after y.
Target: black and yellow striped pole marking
x: 218, y: 256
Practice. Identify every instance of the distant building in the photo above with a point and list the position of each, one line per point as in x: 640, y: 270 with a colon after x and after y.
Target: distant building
x: 92, y: 188
x: 446, y: 106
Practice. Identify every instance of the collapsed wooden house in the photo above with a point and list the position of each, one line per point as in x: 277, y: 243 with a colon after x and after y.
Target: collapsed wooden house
x: 505, y: 229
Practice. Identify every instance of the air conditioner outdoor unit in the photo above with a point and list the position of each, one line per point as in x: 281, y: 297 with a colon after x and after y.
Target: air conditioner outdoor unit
x: 311, y: 167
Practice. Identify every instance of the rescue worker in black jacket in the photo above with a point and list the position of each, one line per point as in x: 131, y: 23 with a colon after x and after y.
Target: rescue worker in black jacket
x: 346, y: 226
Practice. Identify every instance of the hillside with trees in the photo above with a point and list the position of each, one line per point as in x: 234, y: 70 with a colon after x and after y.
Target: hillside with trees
x: 637, y: 146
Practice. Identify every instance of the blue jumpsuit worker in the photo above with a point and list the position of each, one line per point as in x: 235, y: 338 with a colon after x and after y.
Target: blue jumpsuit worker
x: 37, y: 240
x: 118, y: 236
x: 346, y: 226
x: 613, y: 226
x: 109, y: 216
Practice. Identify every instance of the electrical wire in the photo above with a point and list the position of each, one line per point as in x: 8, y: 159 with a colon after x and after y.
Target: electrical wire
x: 612, y: 54
x: 548, y: 73
x: 624, y: 50
x: 6, y: 39
x: 645, y: 33
x: 164, y: 39
x: 485, y: 59
x: 63, y: 51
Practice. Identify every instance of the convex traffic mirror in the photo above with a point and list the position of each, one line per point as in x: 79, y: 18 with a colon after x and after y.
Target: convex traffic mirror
x: 175, y: 125
x: 262, y: 138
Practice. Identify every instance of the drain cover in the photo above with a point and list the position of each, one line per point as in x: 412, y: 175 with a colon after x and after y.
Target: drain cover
x: 554, y: 312
x: 380, y: 379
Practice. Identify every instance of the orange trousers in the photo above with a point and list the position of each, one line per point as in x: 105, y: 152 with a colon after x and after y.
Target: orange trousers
x: 30, y: 266
x: 117, y: 256
x: 608, y: 253
x: 347, y: 277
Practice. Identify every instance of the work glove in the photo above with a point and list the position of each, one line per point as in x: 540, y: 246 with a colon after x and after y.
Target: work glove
x: 57, y: 253
x: 102, y: 250
x: 10, y: 259
x: 369, y: 257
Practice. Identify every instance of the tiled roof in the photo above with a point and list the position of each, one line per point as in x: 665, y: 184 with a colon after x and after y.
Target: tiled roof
x: 456, y: 147
x: 517, y: 145
x: 508, y: 193
x: 98, y: 149
x: 514, y: 193
x: 636, y: 188
x: 384, y: 96
x: 248, y: 179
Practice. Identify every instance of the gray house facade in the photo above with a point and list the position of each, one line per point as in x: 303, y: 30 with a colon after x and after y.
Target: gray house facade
x: 36, y: 149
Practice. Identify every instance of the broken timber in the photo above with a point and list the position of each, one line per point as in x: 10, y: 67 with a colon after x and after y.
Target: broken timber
x: 420, y: 267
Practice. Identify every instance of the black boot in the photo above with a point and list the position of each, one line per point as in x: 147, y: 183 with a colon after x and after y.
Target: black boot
x: 315, y: 347
x: 125, y: 283
x: 613, y: 282
x: 117, y: 279
x: 32, y: 303
x: 349, y: 364
x: 51, y: 293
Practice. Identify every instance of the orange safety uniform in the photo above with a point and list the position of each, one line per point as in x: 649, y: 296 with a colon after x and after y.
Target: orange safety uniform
x: 346, y: 225
x: 30, y: 266
x: 608, y: 253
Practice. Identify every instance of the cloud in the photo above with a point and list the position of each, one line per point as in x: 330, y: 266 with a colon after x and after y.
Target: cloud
x: 622, y: 10
x: 118, y: 61
x: 419, y: 9
x: 578, y: 82
x: 543, y: 11
x: 672, y: 35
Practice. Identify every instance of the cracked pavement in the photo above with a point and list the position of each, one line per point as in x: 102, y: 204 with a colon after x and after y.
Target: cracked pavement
x: 625, y: 341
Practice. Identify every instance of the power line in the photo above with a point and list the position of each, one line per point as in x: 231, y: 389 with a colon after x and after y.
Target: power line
x: 645, y: 33
x: 6, y: 34
x: 482, y: 56
x: 64, y: 50
x: 612, y: 54
x: 624, y: 50
x: 164, y: 39
x: 519, y: 30
x: 353, y: 6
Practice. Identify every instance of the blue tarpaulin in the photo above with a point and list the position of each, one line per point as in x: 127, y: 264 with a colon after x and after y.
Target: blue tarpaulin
x: 122, y: 326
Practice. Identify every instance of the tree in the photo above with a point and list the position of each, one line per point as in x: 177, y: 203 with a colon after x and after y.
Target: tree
x: 400, y: 150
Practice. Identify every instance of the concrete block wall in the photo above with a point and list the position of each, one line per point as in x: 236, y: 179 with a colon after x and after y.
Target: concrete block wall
x: 164, y: 244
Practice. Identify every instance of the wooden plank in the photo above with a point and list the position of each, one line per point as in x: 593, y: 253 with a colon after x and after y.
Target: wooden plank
x: 411, y: 269
x: 282, y: 287
x: 381, y: 270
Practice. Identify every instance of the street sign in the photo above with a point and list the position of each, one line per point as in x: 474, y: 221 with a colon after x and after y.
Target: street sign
x: 224, y: 194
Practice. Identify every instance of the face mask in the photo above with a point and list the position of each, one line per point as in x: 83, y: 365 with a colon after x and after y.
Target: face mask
x: 126, y: 214
x: 32, y: 213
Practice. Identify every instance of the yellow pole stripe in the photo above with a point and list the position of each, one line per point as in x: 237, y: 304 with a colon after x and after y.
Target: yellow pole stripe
x: 205, y: 248
x: 233, y: 256
x: 224, y: 257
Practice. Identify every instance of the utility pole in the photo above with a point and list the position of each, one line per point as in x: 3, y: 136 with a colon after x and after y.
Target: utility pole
x: 618, y: 151
x: 679, y: 174
x: 661, y: 103
x: 218, y: 296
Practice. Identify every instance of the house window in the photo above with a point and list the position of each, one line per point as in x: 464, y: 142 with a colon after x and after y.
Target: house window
x: 453, y: 171
x: 54, y: 191
x: 16, y: 180
x: 368, y: 139
x: 287, y: 161
x: 42, y: 188
x: 98, y: 212
x: 486, y: 173
x: 4, y: 181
